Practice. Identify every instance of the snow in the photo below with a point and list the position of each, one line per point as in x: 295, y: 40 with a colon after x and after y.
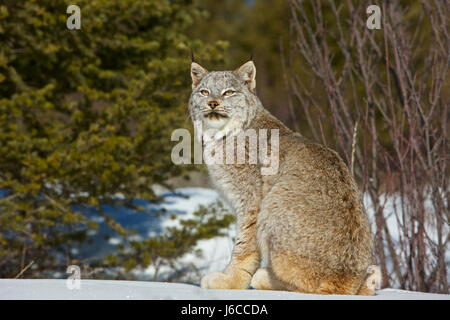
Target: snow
x: 56, y: 289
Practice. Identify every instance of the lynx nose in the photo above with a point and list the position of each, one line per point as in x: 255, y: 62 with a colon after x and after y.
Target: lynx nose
x: 213, y: 104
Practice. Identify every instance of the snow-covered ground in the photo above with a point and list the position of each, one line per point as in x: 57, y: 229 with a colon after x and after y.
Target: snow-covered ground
x: 142, y: 290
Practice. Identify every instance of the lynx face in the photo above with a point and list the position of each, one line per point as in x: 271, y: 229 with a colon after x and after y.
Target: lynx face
x: 223, y: 100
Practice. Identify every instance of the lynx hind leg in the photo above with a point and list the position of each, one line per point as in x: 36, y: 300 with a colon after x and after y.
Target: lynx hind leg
x: 264, y: 279
x: 306, y: 276
x: 372, y: 281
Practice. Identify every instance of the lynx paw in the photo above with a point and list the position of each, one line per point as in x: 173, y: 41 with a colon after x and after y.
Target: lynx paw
x: 220, y: 280
x: 263, y: 279
x: 216, y: 280
x: 260, y: 280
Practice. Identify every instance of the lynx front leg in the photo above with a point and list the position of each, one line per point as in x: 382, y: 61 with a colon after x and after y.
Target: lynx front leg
x: 244, y: 261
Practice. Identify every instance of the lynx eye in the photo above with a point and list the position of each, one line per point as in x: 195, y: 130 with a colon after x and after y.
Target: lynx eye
x: 205, y: 92
x: 228, y: 93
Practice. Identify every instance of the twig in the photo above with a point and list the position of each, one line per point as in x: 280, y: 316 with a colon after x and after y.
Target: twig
x: 355, y: 132
x: 24, y: 269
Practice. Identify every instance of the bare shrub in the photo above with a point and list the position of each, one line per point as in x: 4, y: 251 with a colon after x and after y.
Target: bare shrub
x: 383, y: 95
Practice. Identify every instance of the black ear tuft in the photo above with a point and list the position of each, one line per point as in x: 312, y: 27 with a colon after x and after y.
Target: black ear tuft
x: 251, y: 55
x: 192, y: 56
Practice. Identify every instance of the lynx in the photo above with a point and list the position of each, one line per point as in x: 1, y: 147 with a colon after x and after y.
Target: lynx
x: 302, y: 229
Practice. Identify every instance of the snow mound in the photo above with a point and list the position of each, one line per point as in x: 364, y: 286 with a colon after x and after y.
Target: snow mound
x: 56, y: 289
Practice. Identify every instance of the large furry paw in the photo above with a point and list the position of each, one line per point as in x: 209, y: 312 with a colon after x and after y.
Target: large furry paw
x: 263, y: 279
x: 216, y: 280
x: 260, y: 280
x: 220, y: 280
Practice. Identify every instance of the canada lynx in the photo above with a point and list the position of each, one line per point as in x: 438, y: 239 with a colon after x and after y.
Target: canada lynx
x: 305, y: 224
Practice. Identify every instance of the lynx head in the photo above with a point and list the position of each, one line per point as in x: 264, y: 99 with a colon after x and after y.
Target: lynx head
x: 223, y: 101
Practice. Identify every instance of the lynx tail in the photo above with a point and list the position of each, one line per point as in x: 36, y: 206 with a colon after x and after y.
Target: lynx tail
x: 372, y: 281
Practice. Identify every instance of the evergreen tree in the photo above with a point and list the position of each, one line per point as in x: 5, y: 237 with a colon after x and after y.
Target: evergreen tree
x: 165, y: 250
x: 84, y: 115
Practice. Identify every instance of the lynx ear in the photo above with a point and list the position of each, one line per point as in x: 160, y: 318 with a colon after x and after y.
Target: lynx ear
x: 197, y: 73
x: 247, y: 73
